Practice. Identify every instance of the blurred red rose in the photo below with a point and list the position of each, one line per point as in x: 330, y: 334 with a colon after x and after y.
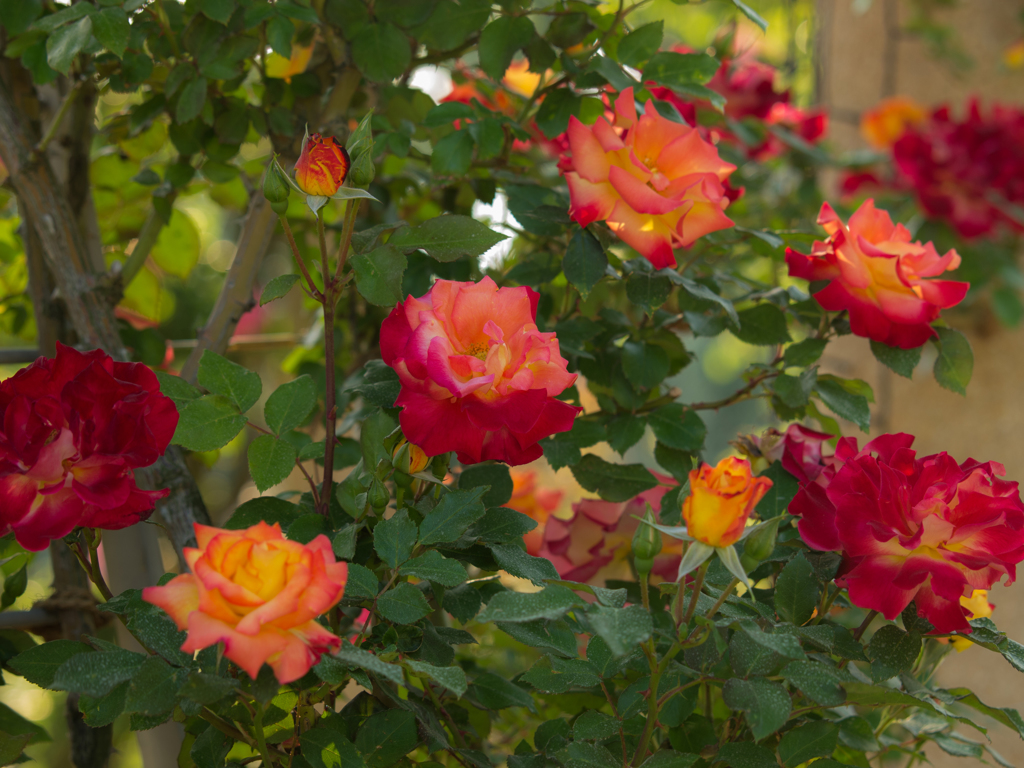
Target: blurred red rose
x: 74, y: 427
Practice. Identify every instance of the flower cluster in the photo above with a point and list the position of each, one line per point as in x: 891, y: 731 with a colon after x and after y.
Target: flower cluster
x: 656, y: 183
x: 748, y: 86
x: 477, y: 376
x: 965, y: 172
x: 926, y: 529
x: 73, y: 429
x: 257, y: 593
x: 593, y: 545
x: 880, y: 276
x: 801, y: 450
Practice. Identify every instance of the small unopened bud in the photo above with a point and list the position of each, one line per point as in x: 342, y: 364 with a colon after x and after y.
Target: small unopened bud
x: 761, y: 543
x: 439, y: 465
x: 646, y: 544
x: 409, y: 458
x: 378, y: 495
x: 275, y: 185
x: 363, y: 170
x: 361, y: 139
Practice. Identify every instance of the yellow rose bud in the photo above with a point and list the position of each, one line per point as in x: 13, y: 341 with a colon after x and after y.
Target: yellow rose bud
x: 720, y: 501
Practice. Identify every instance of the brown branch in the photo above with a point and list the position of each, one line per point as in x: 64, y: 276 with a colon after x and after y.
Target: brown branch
x: 235, y: 297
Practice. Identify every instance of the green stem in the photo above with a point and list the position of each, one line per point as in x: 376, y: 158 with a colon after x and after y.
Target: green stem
x: 652, y: 708
x: 645, y: 594
x: 698, y: 585
x: 721, y: 599
x: 313, y: 290
x: 261, y: 737
x: 92, y: 538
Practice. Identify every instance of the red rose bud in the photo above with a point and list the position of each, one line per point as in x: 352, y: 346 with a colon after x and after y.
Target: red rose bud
x: 322, y: 166
x: 72, y: 430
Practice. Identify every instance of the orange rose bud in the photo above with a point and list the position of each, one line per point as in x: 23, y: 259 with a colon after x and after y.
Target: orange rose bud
x: 259, y: 594
x: 720, y: 501
x: 322, y: 166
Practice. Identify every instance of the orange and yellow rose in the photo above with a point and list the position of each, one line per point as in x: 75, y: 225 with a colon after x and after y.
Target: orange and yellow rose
x: 655, y: 182
x: 721, y: 500
x: 534, y: 502
x: 322, y: 166
x: 884, y: 124
x: 257, y: 593
x: 878, y: 275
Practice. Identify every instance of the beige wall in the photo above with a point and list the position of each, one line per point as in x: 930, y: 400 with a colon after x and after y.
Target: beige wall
x: 861, y: 62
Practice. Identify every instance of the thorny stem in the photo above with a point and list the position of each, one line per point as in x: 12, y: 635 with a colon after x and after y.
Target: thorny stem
x: 314, y: 291
x: 652, y: 702
x: 858, y: 633
x: 722, y: 598
x: 330, y: 299
x: 698, y: 585
x: 346, y: 237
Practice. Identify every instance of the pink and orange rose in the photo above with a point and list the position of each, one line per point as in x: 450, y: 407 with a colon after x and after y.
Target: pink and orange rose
x: 880, y: 276
x: 477, y: 376
x: 73, y: 429
x: 657, y: 184
x: 923, y: 529
x: 259, y: 594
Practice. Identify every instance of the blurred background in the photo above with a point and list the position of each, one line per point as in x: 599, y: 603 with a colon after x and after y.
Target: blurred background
x: 839, y: 101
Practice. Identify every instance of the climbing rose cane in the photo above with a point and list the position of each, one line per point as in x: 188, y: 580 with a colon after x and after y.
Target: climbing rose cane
x: 477, y: 376
x: 922, y: 529
x: 257, y: 593
x: 655, y: 182
x: 876, y: 273
x: 73, y: 428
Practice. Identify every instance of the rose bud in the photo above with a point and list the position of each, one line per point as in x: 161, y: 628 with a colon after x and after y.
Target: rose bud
x: 720, y: 501
x: 646, y: 544
x: 259, y: 594
x: 322, y: 166
x: 275, y: 188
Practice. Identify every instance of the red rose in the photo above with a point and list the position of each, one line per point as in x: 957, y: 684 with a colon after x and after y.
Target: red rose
x: 74, y: 427
x: 927, y: 530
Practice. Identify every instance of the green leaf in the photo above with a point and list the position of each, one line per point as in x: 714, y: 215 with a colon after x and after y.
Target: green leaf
x: 177, y: 248
x: 154, y: 687
x: 594, y: 726
x: 211, y: 748
x: 111, y: 28
x: 377, y: 383
x: 857, y: 733
x: 280, y: 32
x: 1009, y: 717
x: 796, y: 591
x: 892, y: 651
x: 514, y: 560
x: 613, y: 482
x: 452, y: 516
x: 496, y: 476
x: 290, y: 404
x: 680, y: 70
x: 11, y: 747
x: 745, y: 754
x: 326, y: 747
x: 749, y: 12
x: 387, y: 737
x: 551, y: 602
x: 766, y: 704
x: 208, y: 423
x: 585, y: 262
x: 648, y: 291
x: 208, y: 689
x: 381, y: 52
x: 403, y: 604
x: 1013, y: 652
x: 65, y: 43
x: 955, y: 363
x: 223, y: 377
x: 763, y: 324
x: 623, y: 629
x: 191, y: 100
x: 556, y: 109
x: 843, y: 403
x: 678, y: 427
x: 501, y: 525
x: 17, y: 15
x: 583, y: 755
x: 453, y: 154
x: 808, y: 741
x: 645, y: 365
x: 625, y: 431
x: 783, y: 491
x: 357, y: 657
x: 269, y: 509
x: 666, y: 758
x: 452, y: 678
x: 433, y: 566
x: 496, y: 692
x: 96, y: 674
x: 804, y: 353
x: 278, y: 287
x: 817, y: 681
x: 553, y: 635
x: 14, y: 587
x: 795, y: 391
x: 270, y: 461
x: 13, y: 723
x: 499, y: 42
x: 379, y: 275
x: 447, y: 238
x: 641, y: 44
x: 899, y: 361
x: 394, y: 538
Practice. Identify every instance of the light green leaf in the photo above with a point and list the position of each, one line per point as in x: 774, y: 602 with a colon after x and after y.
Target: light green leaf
x: 223, y: 377
x: 271, y: 460
x: 208, y: 423
x: 290, y: 404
